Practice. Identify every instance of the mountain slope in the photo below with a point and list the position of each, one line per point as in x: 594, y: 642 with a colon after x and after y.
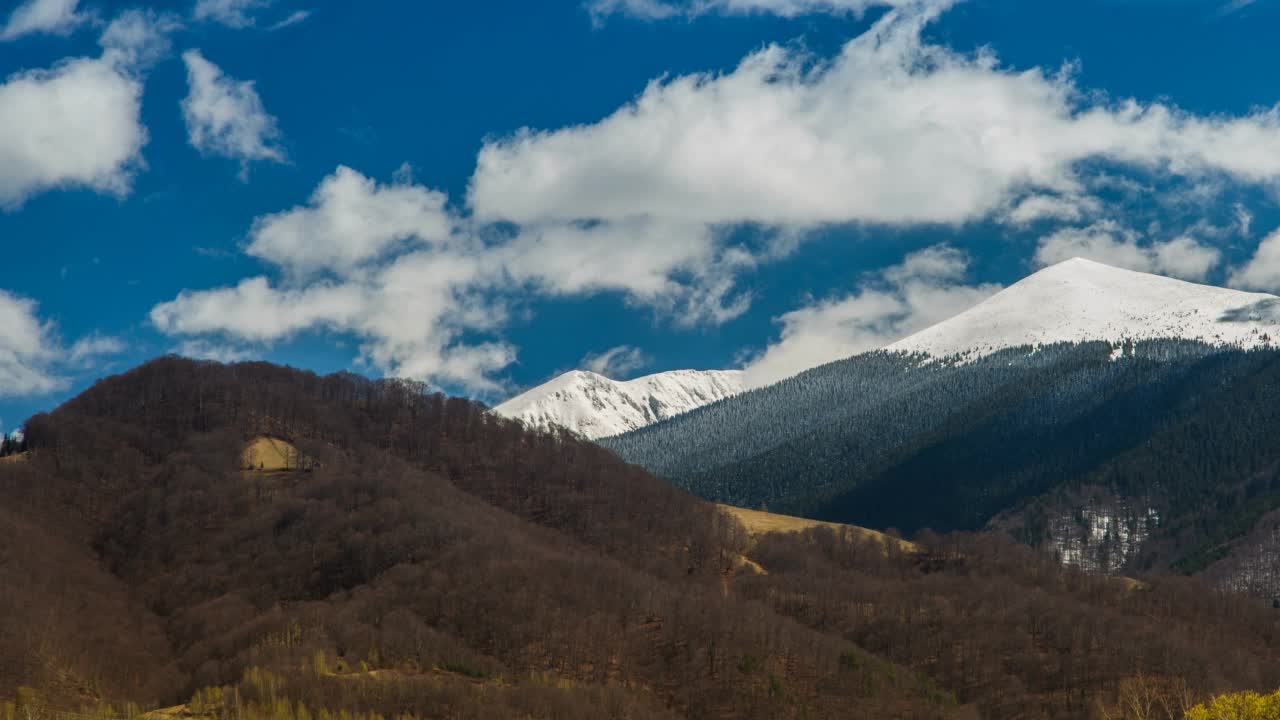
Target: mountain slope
x: 476, y: 568
x: 439, y: 561
x: 976, y: 418
x: 1080, y: 301
x: 594, y: 406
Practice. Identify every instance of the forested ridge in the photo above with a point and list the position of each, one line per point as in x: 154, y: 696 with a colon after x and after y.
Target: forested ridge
x: 438, y: 561
x: 1179, y: 430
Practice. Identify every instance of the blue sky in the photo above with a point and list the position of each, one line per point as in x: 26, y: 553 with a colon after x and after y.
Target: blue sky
x: 481, y: 195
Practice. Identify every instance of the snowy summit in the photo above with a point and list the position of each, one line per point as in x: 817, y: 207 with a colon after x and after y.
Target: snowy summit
x: 594, y: 406
x: 1080, y: 300
x: 1074, y: 301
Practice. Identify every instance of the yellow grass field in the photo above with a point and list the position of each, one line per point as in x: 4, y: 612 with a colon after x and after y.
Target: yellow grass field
x: 758, y: 522
x: 267, y: 454
x: 1131, y: 584
x: 18, y: 457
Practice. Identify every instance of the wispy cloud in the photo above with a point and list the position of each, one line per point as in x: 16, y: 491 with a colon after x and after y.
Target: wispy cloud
x: 616, y: 363
x: 57, y: 17
x: 1234, y: 6
x: 232, y: 13
x: 226, y: 117
x: 294, y: 18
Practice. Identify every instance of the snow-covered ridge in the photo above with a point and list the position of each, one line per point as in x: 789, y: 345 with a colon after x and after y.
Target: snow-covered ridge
x: 1074, y: 301
x: 1080, y: 300
x: 594, y: 406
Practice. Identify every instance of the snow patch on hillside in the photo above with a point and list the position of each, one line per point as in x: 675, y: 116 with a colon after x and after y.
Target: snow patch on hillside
x: 1099, y: 538
x: 1080, y: 300
x: 594, y: 406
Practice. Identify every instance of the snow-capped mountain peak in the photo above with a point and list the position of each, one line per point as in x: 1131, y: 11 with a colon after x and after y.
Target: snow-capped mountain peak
x: 594, y: 406
x: 1081, y: 300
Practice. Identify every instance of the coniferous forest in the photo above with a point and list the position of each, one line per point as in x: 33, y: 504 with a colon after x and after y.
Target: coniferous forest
x: 1170, y: 444
x: 435, y: 561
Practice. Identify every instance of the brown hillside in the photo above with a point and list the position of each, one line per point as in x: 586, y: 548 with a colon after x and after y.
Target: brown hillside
x: 441, y: 562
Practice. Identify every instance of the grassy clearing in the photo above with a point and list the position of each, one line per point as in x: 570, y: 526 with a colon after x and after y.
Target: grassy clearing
x: 758, y: 522
x: 268, y: 454
x: 1131, y: 584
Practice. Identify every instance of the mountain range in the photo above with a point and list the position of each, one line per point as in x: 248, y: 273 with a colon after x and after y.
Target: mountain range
x: 1081, y: 300
x: 595, y: 406
x: 1076, y: 300
x: 1121, y: 419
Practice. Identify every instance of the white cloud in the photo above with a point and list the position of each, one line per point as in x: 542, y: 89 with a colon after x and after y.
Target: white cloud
x: 1262, y: 271
x: 349, y: 221
x: 76, y: 124
x: 56, y: 17
x: 138, y: 38
x: 294, y: 18
x: 32, y: 359
x: 201, y: 349
x: 380, y: 262
x: 225, y: 116
x: 85, y: 351
x: 616, y: 362
x: 426, y: 292
x: 925, y: 289
x: 1036, y: 208
x: 232, y: 13
x: 893, y: 130
x: 27, y: 350
x: 640, y: 9
x: 682, y: 269
x: 1107, y: 242
x: 1244, y: 219
x: 647, y: 203
x: 663, y: 9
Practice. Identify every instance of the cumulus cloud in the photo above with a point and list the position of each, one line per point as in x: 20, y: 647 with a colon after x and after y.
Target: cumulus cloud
x: 649, y: 203
x: 27, y: 349
x: 77, y: 124
x: 1262, y: 271
x: 33, y: 360
x: 1107, y: 242
x: 616, y: 363
x: 427, y: 292
x: 225, y: 116
x: 925, y: 289
x: 893, y: 130
x: 380, y: 262
x: 350, y: 220
x: 56, y: 17
x: 685, y: 270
